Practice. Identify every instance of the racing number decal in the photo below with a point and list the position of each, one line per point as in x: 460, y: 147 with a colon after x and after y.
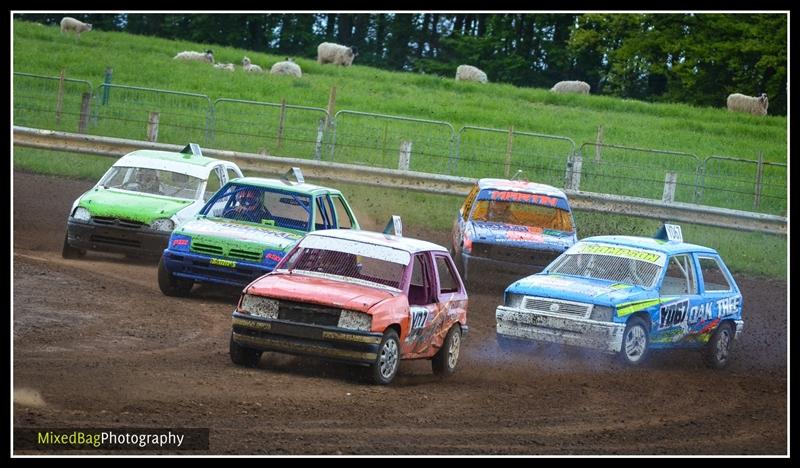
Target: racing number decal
x: 419, y: 315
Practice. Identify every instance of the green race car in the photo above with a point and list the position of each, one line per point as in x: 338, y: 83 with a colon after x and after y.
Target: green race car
x: 141, y: 198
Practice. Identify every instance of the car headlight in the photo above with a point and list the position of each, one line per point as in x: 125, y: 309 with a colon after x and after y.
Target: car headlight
x: 602, y: 314
x: 514, y: 300
x: 163, y: 224
x: 82, y: 214
x: 260, y: 306
x: 355, y: 320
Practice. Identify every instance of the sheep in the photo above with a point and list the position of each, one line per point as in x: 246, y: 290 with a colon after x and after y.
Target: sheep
x: 251, y: 67
x: 225, y: 66
x: 328, y: 52
x: 287, y: 67
x: 71, y: 24
x: 206, y: 56
x: 748, y: 104
x: 579, y: 87
x: 470, y: 73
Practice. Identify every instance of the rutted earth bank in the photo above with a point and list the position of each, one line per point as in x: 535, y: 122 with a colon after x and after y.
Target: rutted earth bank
x: 96, y: 344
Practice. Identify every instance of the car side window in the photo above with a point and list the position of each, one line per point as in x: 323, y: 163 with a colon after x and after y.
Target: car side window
x: 232, y: 174
x: 322, y: 217
x: 714, y: 278
x: 342, y: 213
x: 213, y: 184
x: 419, y: 291
x: 469, y: 201
x: 680, y: 277
x: 448, y: 283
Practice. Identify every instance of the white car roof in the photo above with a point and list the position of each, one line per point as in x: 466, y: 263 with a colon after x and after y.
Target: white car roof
x: 193, y: 169
x: 520, y: 186
x: 406, y: 244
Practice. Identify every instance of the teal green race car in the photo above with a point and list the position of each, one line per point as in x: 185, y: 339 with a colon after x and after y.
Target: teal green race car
x: 246, y: 229
x: 141, y: 198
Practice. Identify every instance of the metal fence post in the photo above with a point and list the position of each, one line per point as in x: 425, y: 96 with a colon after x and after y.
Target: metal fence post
x: 758, y: 185
x: 106, y: 88
x: 670, y: 179
x: 318, y: 142
x: 509, y: 146
x: 60, y: 99
x: 331, y: 105
x: 152, y: 126
x: 84, y: 117
x: 598, y: 144
x: 404, y: 161
x: 574, y: 167
x: 281, y: 120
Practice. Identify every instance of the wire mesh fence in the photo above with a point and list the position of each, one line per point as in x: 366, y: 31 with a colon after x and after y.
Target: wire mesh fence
x: 397, y: 142
x: 391, y: 141
x: 744, y: 184
x: 269, y: 128
x: 637, y: 172
x: 489, y: 152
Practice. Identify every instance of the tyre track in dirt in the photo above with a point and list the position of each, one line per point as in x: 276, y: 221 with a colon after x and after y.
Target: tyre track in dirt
x: 102, y: 346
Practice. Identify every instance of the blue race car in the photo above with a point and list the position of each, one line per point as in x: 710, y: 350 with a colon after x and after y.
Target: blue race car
x: 626, y: 295
x: 512, y: 227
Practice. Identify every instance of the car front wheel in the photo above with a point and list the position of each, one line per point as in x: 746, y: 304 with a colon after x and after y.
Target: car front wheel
x: 243, y: 356
x: 68, y: 251
x: 170, y: 285
x: 388, y: 361
x: 635, y: 342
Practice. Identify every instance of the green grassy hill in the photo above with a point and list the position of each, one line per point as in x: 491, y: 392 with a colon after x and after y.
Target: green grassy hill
x: 147, y: 62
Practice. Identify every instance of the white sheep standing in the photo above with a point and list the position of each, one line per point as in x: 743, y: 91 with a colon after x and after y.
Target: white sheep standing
x: 748, y: 104
x: 337, y: 54
x: 251, y: 67
x: 287, y: 67
x: 579, y: 87
x: 225, y: 66
x: 470, y: 73
x: 206, y: 56
x: 71, y: 24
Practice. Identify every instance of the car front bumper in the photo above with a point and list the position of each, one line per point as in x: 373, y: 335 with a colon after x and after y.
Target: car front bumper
x: 334, y: 343
x: 572, y: 331
x: 199, y: 268
x: 472, y: 266
x: 121, y: 237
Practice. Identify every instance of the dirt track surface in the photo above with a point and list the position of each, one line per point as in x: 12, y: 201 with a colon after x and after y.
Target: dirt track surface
x: 96, y: 344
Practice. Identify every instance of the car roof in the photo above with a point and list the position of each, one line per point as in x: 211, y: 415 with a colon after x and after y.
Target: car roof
x: 195, y: 166
x: 667, y: 247
x: 285, y: 185
x: 407, y: 244
x: 520, y: 186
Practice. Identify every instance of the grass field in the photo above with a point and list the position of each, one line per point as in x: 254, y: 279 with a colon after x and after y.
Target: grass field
x: 451, y: 139
x: 750, y: 253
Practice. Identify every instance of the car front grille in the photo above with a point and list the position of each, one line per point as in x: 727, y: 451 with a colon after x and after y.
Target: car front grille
x: 107, y: 221
x: 311, y: 314
x: 553, y: 306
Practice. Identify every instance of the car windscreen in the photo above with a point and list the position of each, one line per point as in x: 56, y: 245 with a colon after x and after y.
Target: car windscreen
x: 351, y: 260
x: 620, y: 265
x: 260, y: 205
x: 152, y: 181
x: 522, y: 214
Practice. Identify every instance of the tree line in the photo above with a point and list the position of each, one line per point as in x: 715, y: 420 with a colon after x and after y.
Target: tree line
x: 696, y: 59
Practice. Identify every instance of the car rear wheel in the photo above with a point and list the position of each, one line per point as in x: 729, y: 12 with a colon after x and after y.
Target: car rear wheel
x: 635, y: 342
x: 446, y: 359
x: 170, y: 285
x: 68, y: 251
x: 385, y: 367
x: 243, y: 356
x: 717, y: 351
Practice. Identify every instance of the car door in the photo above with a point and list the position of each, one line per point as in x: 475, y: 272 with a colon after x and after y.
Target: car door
x: 421, y: 307
x: 343, y: 214
x: 721, y: 297
x: 679, y: 293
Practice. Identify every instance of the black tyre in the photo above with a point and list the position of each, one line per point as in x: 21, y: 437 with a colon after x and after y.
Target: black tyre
x: 68, y: 251
x: 444, y: 362
x: 717, y: 351
x: 384, y: 370
x: 170, y: 285
x: 635, y: 342
x: 243, y: 356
